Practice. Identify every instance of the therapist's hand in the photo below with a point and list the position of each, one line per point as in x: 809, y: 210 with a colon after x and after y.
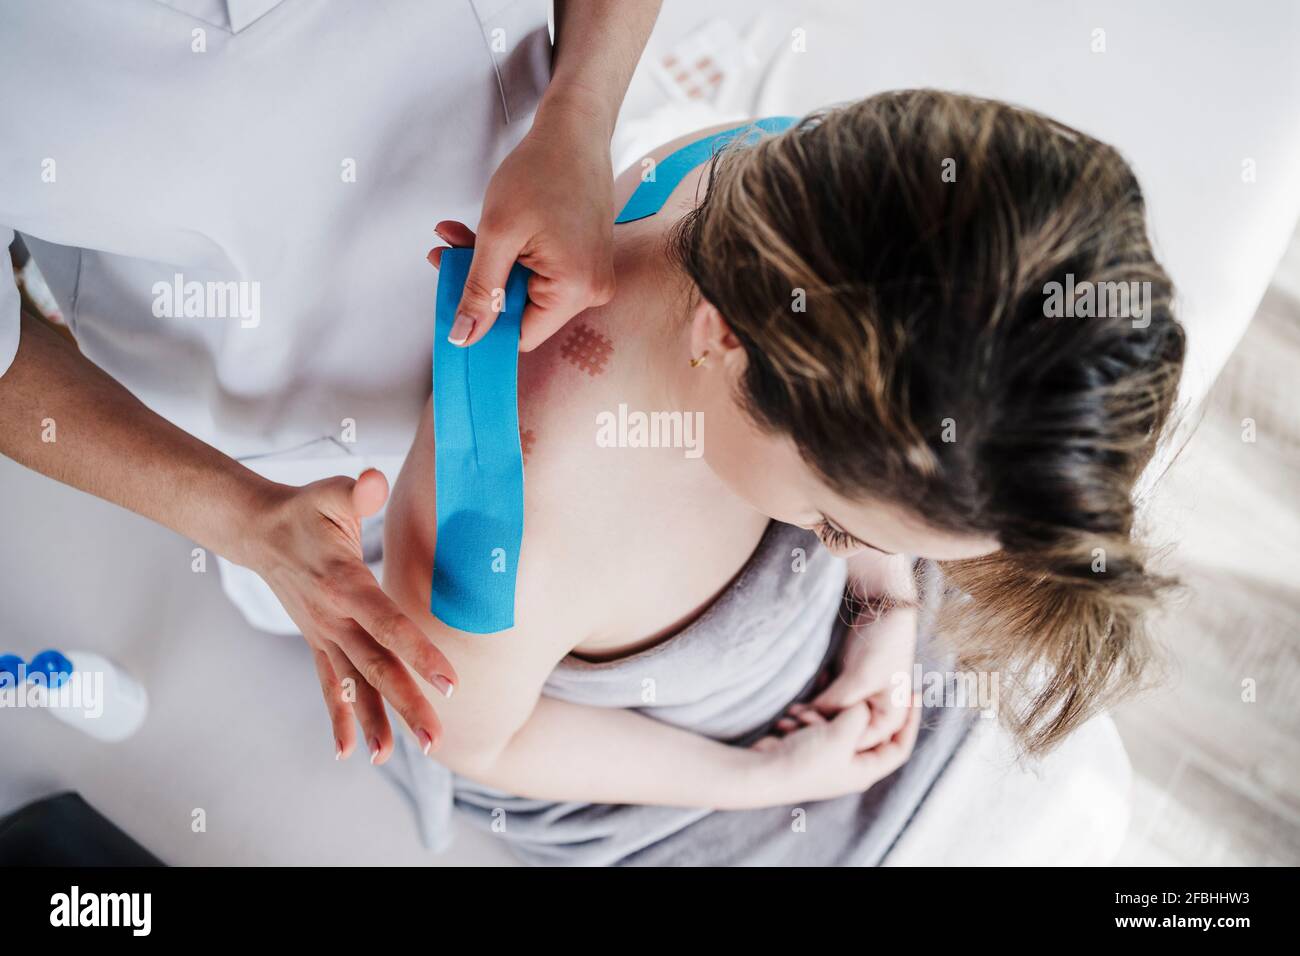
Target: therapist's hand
x: 550, y: 205
x: 308, y: 549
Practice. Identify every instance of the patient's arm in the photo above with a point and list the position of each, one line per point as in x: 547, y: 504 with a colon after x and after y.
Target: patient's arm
x: 500, y: 731
x: 569, y: 752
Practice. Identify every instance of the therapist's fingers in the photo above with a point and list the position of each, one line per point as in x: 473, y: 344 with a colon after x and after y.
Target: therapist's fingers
x: 455, y: 233
x: 369, y: 706
x: 340, y: 710
x: 390, y: 680
x: 375, y: 611
x: 552, y: 299
x: 551, y: 303
x: 483, y: 298
x: 369, y: 493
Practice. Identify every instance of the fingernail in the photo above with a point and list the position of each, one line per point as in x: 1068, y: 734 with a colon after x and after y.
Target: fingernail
x: 444, y: 686
x: 461, y: 329
x: 426, y: 741
x: 429, y: 257
x: 374, y: 749
x: 338, y: 750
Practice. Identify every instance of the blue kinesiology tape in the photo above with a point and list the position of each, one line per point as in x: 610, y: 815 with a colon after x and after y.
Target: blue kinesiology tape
x: 651, y: 194
x: 479, y: 465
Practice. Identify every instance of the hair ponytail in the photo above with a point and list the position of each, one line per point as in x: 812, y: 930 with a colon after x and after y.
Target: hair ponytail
x: 1066, y: 639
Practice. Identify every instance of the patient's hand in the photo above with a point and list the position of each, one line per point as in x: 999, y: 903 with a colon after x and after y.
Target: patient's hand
x: 875, y: 664
x: 824, y: 758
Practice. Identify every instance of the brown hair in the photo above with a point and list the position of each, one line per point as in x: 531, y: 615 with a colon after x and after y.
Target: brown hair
x: 927, y: 369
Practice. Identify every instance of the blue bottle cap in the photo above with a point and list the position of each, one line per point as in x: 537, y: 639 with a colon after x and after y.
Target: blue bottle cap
x: 11, y: 671
x: 53, y: 667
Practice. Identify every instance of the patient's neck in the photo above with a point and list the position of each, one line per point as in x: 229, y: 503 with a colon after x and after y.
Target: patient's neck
x: 649, y: 316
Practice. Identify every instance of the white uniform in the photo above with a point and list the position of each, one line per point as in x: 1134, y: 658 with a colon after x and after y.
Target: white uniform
x: 282, y: 164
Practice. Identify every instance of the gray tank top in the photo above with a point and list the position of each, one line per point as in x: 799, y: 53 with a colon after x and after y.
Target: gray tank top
x: 742, y: 661
x: 728, y: 675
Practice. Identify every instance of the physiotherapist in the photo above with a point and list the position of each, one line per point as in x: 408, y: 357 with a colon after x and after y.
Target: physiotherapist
x: 231, y: 201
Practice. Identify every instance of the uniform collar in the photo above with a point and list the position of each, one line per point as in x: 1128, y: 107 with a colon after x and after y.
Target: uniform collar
x: 244, y: 12
x: 232, y: 15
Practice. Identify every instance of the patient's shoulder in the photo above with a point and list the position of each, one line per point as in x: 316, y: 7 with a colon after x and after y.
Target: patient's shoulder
x: 626, y: 182
x: 555, y: 555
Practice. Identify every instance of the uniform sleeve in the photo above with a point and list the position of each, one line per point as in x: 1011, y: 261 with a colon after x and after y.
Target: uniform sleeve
x: 9, y: 306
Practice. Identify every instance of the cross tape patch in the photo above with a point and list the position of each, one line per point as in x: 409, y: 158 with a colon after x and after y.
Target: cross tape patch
x: 478, y: 462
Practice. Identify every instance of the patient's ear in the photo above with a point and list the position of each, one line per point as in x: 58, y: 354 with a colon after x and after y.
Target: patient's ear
x: 711, y: 333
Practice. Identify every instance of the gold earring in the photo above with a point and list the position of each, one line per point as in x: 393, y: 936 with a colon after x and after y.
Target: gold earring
x: 697, y: 362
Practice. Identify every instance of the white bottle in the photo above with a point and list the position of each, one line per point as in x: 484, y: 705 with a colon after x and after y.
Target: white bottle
x: 89, y: 692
